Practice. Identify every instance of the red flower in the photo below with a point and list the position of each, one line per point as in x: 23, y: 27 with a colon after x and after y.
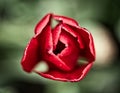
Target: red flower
x: 60, y: 47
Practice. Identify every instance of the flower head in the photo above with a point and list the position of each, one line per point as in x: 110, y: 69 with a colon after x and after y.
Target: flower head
x: 60, y: 48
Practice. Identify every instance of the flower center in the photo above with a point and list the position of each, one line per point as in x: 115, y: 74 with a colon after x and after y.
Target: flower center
x: 59, y: 47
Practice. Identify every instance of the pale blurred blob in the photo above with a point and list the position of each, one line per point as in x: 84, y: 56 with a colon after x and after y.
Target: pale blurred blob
x: 41, y: 67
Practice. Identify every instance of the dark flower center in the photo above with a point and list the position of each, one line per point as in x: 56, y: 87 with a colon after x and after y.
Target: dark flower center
x: 59, y: 47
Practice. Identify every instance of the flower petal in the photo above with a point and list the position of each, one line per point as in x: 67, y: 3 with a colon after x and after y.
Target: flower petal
x: 55, y: 34
x: 45, y: 41
x: 46, y: 49
x: 31, y: 55
x: 56, y: 62
x: 71, y: 53
x: 89, y: 50
x: 72, y: 76
x: 41, y: 25
x: 74, y: 33
x: 66, y: 20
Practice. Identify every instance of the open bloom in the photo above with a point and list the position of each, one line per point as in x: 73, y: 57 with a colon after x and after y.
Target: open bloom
x: 62, y: 47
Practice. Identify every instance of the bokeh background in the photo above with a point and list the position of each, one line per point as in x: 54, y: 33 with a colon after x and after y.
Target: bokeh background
x: 17, y: 21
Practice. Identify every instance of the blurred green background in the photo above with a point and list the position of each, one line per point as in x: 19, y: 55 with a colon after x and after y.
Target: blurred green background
x: 17, y: 21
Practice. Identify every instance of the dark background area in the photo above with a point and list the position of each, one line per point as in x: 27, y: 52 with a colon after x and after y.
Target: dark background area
x: 17, y: 21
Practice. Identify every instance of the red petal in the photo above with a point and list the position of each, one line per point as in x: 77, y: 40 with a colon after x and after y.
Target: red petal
x: 66, y: 20
x: 46, y: 49
x: 56, y: 62
x: 71, y: 53
x: 89, y: 50
x: 55, y: 34
x: 73, y: 76
x: 31, y: 55
x: 45, y: 41
x: 74, y: 33
x: 41, y: 25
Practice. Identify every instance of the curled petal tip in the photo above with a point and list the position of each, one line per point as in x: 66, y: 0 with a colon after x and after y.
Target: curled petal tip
x: 42, y: 23
x: 66, y: 20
